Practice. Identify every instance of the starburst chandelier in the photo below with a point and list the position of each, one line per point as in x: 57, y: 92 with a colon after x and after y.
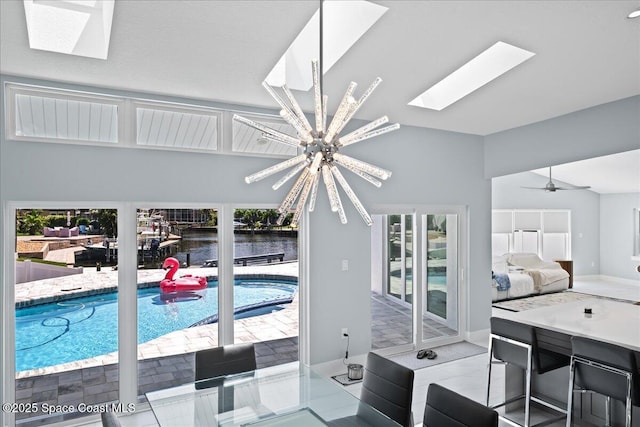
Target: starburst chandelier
x: 320, y: 146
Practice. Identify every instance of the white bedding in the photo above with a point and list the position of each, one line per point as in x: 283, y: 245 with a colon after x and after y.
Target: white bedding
x: 535, y: 276
x: 521, y: 285
x: 545, y: 277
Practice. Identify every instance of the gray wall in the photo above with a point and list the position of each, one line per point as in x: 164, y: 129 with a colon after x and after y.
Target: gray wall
x: 593, y: 132
x: 616, y: 235
x: 429, y: 168
x: 601, y: 130
x: 602, y: 224
x: 583, y: 204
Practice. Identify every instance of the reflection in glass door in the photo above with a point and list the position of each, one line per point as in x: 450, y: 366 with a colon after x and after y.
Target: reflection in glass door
x: 400, y: 259
x: 440, y: 299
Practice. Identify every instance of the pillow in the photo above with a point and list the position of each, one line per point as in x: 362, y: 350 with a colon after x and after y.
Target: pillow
x: 499, y: 264
x: 526, y: 260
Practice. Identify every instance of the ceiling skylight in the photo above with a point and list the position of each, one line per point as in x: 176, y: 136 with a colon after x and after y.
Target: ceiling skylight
x: 74, y: 27
x: 344, y: 23
x: 492, y: 63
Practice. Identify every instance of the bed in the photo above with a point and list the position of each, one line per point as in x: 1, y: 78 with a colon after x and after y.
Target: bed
x: 516, y: 275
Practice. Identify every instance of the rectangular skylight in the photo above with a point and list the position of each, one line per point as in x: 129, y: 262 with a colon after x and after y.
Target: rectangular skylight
x: 344, y: 22
x: 74, y: 27
x: 490, y: 64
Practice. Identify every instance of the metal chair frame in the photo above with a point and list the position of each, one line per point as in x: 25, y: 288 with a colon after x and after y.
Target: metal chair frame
x: 578, y: 359
x: 527, y: 390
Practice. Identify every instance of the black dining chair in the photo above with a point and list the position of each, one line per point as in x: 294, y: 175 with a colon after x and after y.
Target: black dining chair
x: 226, y: 360
x: 386, y: 387
x: 109, y: 419
x: 214, y: 363
x: 607, y: 369
x: 446, y: 408
x: 516, y: 343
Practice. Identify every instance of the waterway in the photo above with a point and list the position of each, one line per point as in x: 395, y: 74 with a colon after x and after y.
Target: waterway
x: 203, y: 245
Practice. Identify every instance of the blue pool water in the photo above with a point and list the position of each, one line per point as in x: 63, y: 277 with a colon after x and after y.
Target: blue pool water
x: 81, y: 328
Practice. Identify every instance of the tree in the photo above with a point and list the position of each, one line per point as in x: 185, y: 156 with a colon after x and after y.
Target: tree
x: 108, y: 220
x: 270, y: 217
x: 212, y: 217
x: 250, y: 217
x: 31, y: 222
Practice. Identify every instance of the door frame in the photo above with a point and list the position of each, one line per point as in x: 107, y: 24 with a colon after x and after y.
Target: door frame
x: 419, y: 269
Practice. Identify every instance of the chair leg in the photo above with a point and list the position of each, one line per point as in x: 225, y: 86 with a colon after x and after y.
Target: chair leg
x: 489, y: 369
x: 607, y: 412
x: 570, y: 396
x: 527, y: 402
x: 628, y: 402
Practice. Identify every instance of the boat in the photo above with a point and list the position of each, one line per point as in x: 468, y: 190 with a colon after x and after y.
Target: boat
x: 151, y: 226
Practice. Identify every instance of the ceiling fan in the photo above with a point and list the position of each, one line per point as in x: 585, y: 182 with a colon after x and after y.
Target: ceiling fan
x: 551, y: 187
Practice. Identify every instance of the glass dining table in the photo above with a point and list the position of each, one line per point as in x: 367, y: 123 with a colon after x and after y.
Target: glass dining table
x: 285, y: 395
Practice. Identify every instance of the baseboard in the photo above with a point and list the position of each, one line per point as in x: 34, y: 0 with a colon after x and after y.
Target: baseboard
x: 604, y: 278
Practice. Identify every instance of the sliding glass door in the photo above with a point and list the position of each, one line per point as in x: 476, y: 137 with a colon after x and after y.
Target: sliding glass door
x: 440, y: 278
x: 416, y: 273
x: 392, y: 281
x: 265, y: 289
x: 66, y: 315
x: 400, y: 259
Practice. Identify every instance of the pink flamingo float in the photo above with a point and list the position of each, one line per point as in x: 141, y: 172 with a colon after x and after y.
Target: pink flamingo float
x: 184, y: 283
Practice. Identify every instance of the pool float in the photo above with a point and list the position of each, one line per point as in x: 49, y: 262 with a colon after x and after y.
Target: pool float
x: 184, y: 283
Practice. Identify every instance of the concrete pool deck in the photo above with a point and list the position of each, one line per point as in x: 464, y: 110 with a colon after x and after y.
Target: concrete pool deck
x: 276, y: 325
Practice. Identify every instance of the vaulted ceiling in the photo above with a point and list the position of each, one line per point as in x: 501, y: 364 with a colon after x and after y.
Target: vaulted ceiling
x: 586, y: 53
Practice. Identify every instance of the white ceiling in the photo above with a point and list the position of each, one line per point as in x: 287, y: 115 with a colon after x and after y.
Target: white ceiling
x: 587, y: 53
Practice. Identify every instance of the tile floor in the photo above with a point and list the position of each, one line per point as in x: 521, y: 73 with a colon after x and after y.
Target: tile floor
x: 391, y: 324
x: 466, y: 376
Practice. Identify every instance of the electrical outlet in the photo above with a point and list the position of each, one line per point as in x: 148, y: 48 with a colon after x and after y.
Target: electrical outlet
x: 344, y: 333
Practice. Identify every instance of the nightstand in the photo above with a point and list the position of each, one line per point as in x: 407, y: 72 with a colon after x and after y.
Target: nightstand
x: 567, y: 265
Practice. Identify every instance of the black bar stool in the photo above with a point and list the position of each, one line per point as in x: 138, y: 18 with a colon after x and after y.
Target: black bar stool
x: 607, y: 369
x: 516, y: 343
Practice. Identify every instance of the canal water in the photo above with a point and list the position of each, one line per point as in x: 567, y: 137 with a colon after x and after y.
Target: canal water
x: 203, y: 246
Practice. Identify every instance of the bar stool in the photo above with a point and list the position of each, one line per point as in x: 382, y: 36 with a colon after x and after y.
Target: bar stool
x: 607, y: 369
x: 516, y: 343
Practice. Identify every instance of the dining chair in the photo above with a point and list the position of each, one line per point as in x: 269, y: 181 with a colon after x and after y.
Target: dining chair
x: 225, y: 360
x: 109, y: 419
x: 387, y: 387
x: 516, y: 344
x: 607, y: 369
x: 446, y: 408
x: 214, y: 363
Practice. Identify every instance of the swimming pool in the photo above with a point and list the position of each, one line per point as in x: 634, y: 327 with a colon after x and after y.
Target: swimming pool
x: 82, y: 328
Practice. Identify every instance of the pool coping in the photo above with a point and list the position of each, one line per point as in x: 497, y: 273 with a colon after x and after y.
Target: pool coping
x: 70, y: 287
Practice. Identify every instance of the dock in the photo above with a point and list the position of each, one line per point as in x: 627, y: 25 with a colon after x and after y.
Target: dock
x: 108, y: 249
x: 245, y: 260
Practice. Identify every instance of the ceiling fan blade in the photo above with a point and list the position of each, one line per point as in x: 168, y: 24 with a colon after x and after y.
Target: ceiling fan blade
x: 584, y: 187
x: 551, y: 187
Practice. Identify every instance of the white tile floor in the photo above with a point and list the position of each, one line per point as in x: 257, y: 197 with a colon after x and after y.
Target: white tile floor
x: 466, y: 376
